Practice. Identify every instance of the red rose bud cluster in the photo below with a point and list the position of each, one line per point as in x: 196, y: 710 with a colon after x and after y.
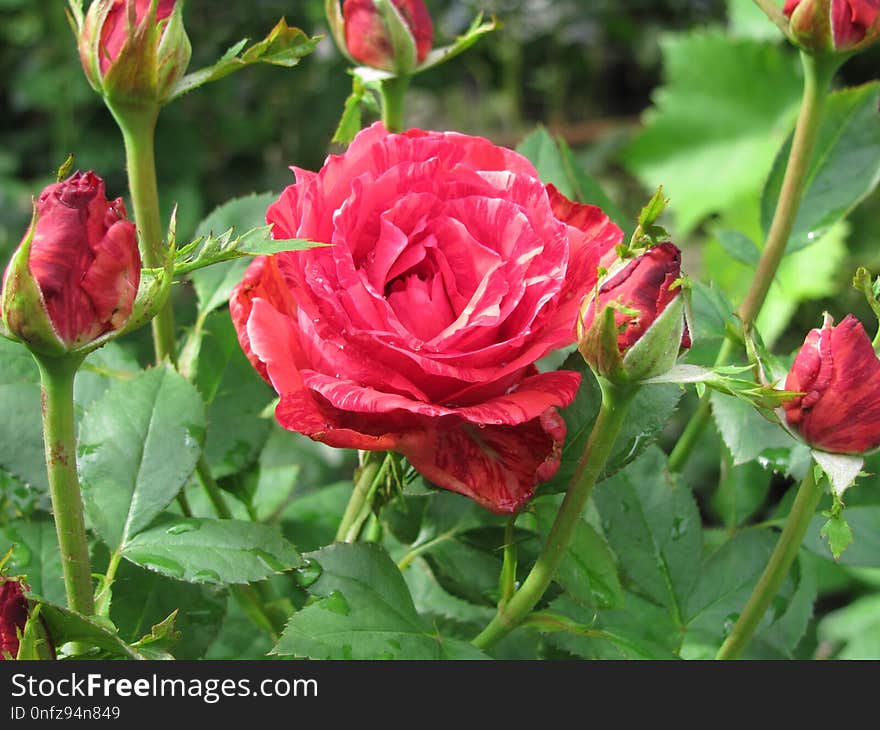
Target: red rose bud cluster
x: 634, y: 326
x: 75, y: 275
x: 453, y: 270
x: 838, y: 373
x: 134, y: 50
x: 841, y: 26
x: 391, y: 35
x: 13, y: 616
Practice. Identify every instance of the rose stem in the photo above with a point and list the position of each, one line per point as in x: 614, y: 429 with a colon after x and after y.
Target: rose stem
x: 138, y: 127
x: 393, y: 92
x: 818, y: 74
x: 507, y: 584
x: 615, y: 404
x: 57, y: 376
x: 358, y: 509
x: 774, y: 574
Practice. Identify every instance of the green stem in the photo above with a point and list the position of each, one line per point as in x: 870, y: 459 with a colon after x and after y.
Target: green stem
x: 358, y: 509
x: 105, y: 595
x: 57, y: 376
x: 215, y: 494
x: 508, y: 567
x: 786, y: 551
x: 615, y: 403
x: 393, y: 92
x: 818, y: 74
x: 138, y: 127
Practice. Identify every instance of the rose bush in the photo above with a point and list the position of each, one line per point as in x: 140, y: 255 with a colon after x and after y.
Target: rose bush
x: 452, y: 270
x: 839, y: 375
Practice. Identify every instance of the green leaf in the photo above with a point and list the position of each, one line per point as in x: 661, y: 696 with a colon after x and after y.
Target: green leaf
x: 228, y: 246
x: 747, y: 434
x: 741, y: 491
x: 556, y: 164
x: 716, y: 123
x: 653, y: 525
x: 588, y: 573
x: 747, y: 20
x: 639, y: 629
x: 235, y: 393
x: 283, y: 46
x: 137, y: 447
x: 21, y: 431
x: 837, y: 532
x: 363, y: 611
x: 439, y: 607
x: 854, y: 630
x: 864, y: 523
x: 36, y: 556
x: 311, y: 520
x: 142, y: 599
x: 475, y: 31
x: 68, y: 626
x: 739, y: 247
x: 845, y: 167
x: 214, y: 284
x: 649, y: 412
x: 726, y: 581
x: 211, y: 551
x: 237, y: 638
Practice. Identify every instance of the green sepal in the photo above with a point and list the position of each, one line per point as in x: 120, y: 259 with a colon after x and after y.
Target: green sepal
x: 598, y: 346
x: 24, y: 314
x: 34, y: 642
x: 657, y: 350
x: 403, y: 44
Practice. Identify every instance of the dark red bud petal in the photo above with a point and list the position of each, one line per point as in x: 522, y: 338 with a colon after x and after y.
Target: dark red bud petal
x: 13, y: 616
x: 838, y: 373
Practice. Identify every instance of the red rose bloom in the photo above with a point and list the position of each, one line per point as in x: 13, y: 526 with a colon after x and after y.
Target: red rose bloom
x: 452, y: 269
x: 13, y: 616
x: 839, y: 374
x: 368, y: 39
x: 84, y: 258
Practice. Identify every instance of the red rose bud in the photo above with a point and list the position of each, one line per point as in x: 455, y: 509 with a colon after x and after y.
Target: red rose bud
x: 634, y: 327
x: 13, y: 616
x: 392, y: 36
x: 134, y: 49
x: 75, y: 274
x: 839, y: 376
x: 834, y: 25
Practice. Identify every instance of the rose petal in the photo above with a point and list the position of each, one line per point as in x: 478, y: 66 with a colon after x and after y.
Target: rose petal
x: 496, y: 466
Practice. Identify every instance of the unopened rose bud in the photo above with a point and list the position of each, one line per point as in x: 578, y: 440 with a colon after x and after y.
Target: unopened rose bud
x: 13, y: 616
x: 134, y: 50
x: 840, y: 26
x: 371, y: 33
x: 838, y: 373
x: 634, y: 327
x: 75, y: 275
